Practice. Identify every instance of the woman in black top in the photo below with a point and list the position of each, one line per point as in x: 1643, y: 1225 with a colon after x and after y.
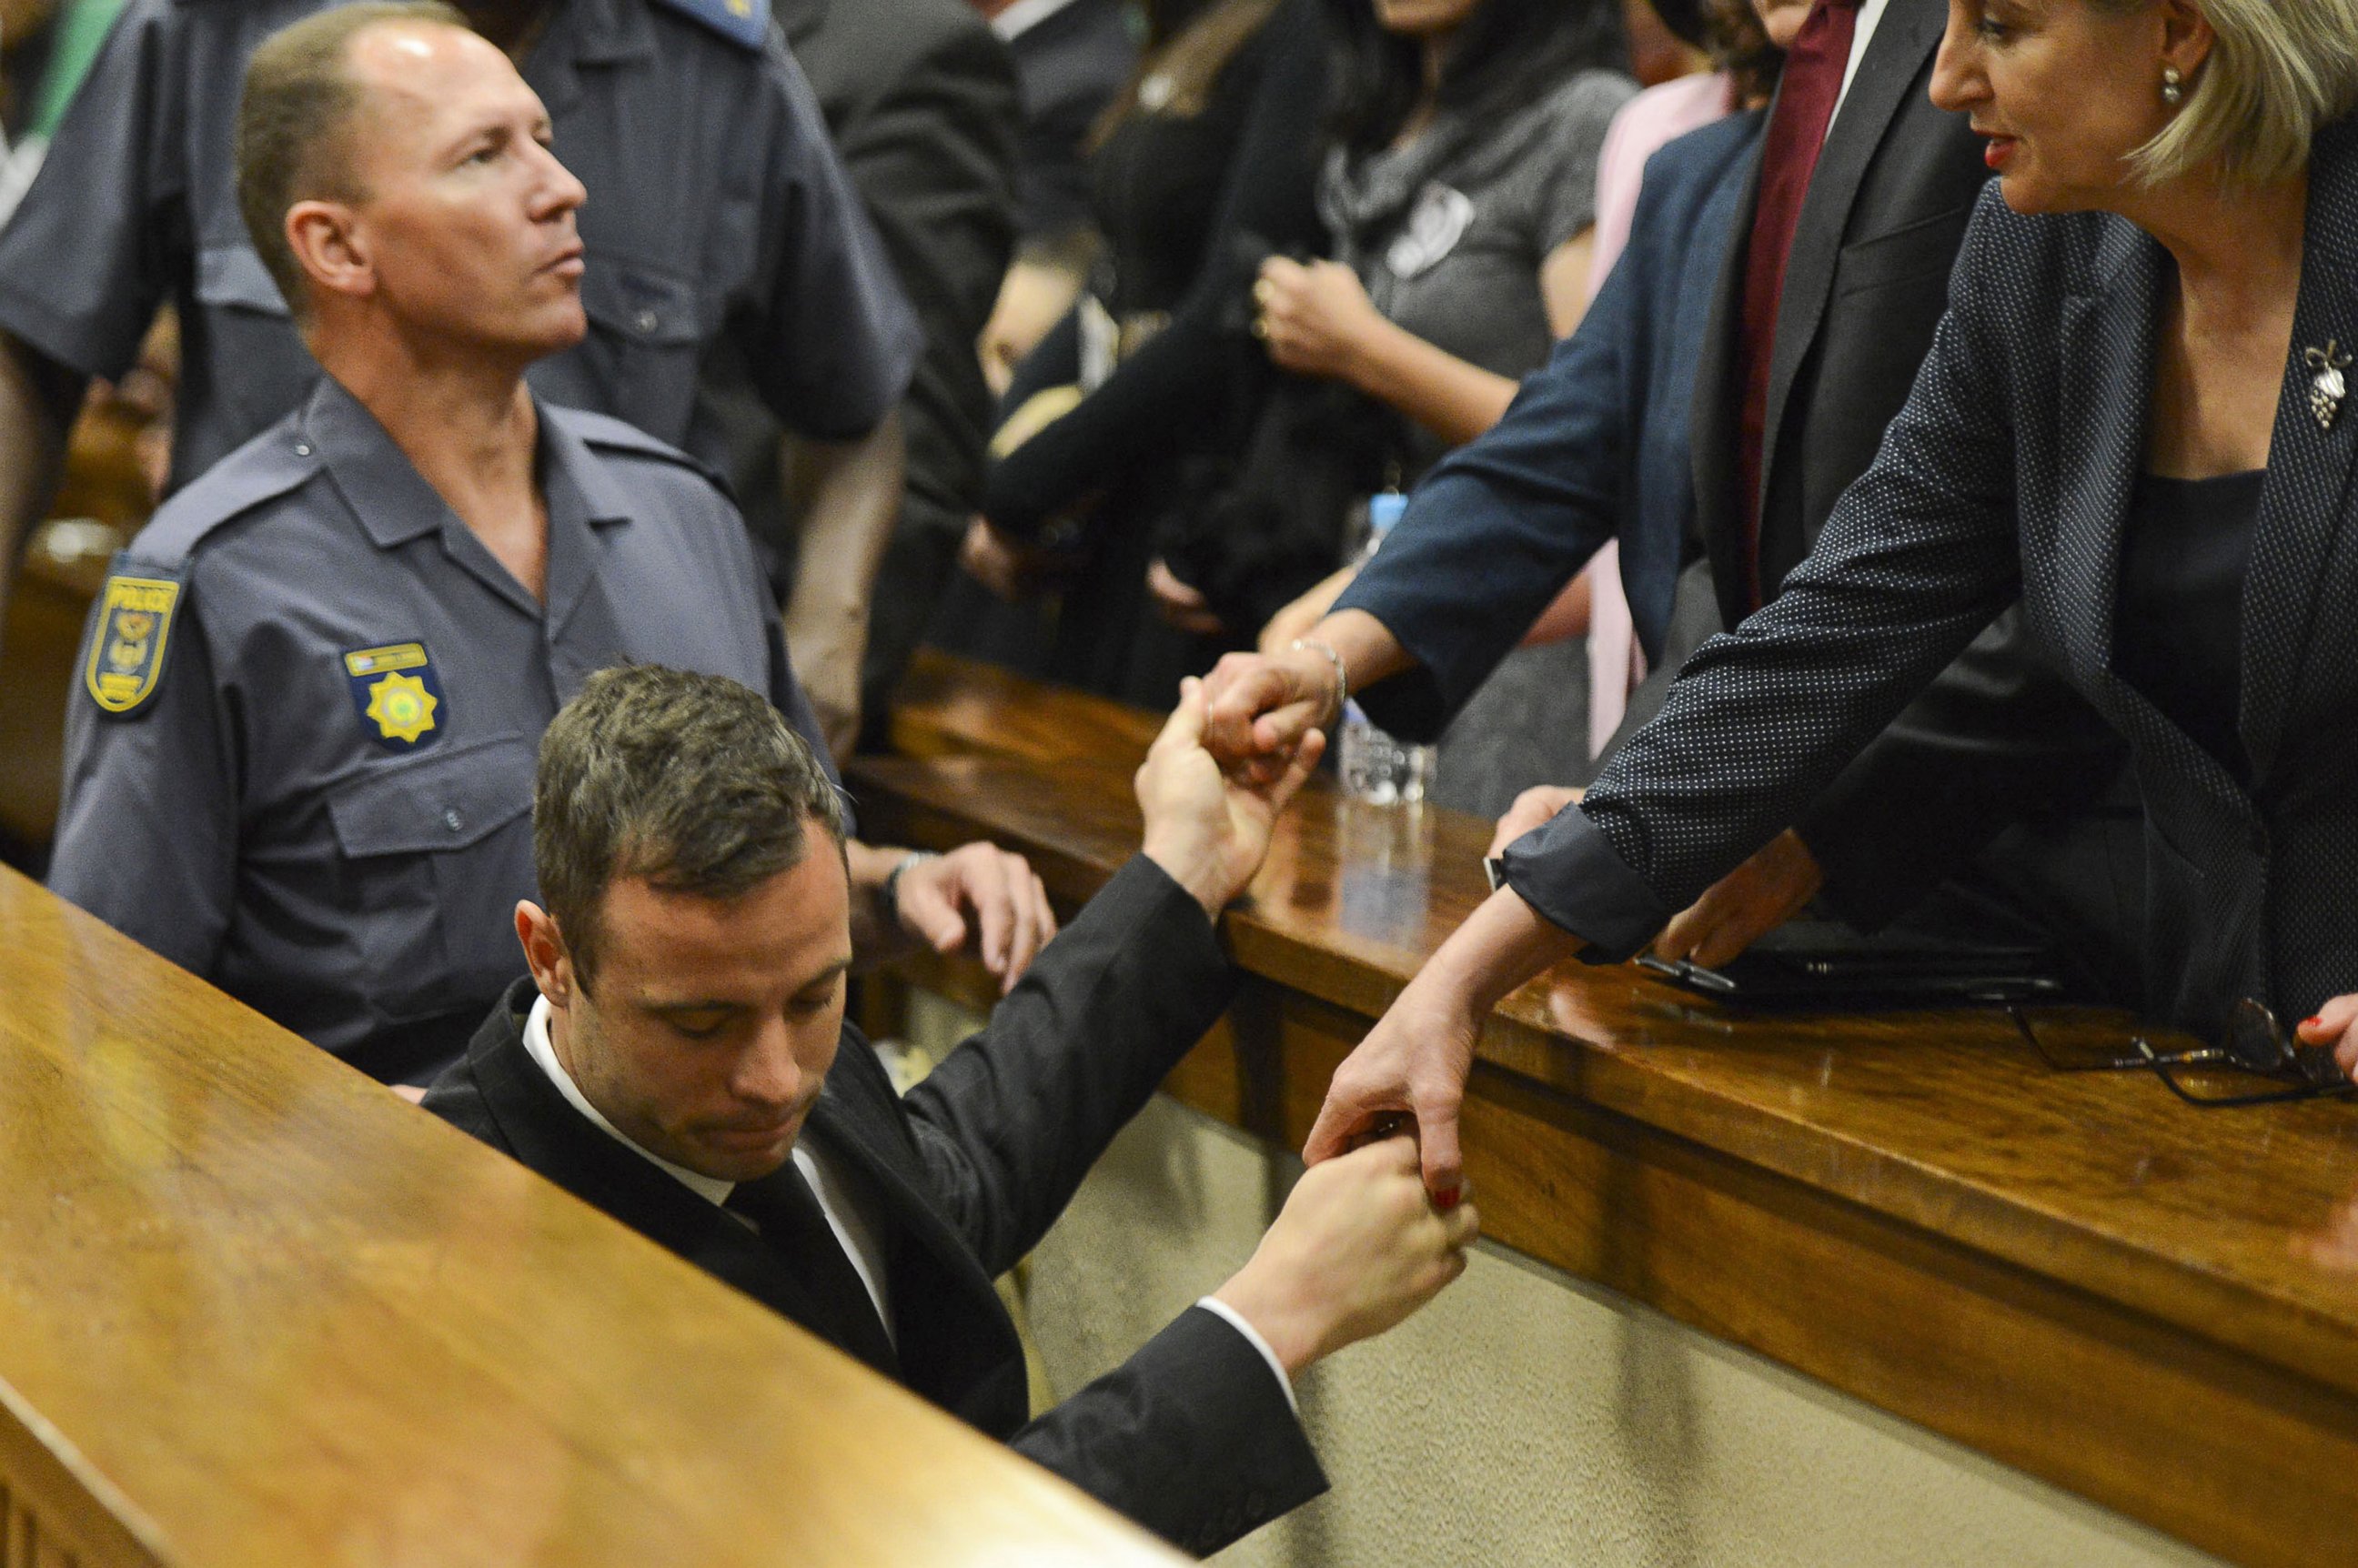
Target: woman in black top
x: 1207, y: 165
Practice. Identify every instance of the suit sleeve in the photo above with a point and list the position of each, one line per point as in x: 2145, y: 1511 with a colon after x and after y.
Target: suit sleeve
x: 1191, y: 1437
x: 148, y: 830
x: 1012, y: 1120
x: 1504, y: 522
x: 1920, y: 556
x: 934, y: 158
x: 101, y: 198
x: 831, y: 340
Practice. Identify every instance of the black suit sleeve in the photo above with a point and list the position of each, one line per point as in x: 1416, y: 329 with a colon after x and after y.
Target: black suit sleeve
x: 933, y: 160
x: 1012, y: 1122
x: 1192, y: 1437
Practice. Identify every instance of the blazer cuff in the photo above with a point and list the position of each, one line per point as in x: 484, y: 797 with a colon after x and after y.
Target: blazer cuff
x: 1236, y: 1321
x: 1254, y: 1462
x: 1570, y: 873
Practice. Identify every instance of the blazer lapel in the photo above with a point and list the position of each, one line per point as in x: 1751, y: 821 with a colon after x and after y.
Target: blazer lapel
x: 545, y: 1133
x: 1895, y: 57
x: 2107, y: 390
x: 2301, y: 503
x: 957, y: 1346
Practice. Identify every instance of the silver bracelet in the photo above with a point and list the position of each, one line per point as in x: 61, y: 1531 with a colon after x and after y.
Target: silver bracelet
x: 888, y: 891
x: 1342, y: 680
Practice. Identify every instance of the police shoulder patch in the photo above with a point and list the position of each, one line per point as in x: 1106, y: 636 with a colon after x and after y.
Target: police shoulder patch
x: 134, y: 632
x: 745, y: 22
x: 397, y: 695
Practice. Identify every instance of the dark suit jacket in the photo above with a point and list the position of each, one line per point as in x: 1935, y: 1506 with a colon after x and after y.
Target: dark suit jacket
x: 1996, y: 738
x: 2008, y: 474
x: 919, y: 97
x: 1595, y: 447
x: 1192, y: 1437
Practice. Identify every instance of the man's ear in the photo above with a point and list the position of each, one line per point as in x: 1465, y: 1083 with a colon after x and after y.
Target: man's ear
x: 329, y: 248
x: 545, y: 953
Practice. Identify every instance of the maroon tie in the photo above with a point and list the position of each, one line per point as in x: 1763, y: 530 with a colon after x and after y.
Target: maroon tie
x: 1797, y: 130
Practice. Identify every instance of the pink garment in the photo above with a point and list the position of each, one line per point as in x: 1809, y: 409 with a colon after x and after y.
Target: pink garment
x: 1659, y: 114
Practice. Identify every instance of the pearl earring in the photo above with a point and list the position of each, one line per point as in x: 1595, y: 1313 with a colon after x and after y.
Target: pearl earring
x: 2172, y: 93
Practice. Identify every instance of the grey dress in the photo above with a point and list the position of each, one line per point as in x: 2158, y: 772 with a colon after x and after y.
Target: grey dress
x: 1448, y: 234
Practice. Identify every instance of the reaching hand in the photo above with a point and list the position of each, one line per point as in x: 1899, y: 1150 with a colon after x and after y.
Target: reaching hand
x: 1415, y: 1060
x: 1357, y: 1249
x: 2336, y: 1024
x: 1535, y: 807
x: 1208, y: 826
x: 1773, y: 886
x: 1179, y: 604
x: 1258, y: 707
x: 1005, y: 898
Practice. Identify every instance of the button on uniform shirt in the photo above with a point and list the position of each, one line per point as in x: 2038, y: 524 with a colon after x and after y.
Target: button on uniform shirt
x: 300, y: 759
x: 715, y: 206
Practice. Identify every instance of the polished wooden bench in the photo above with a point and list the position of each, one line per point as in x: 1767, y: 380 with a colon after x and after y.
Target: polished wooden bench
x: 2153, y: 1306
x: 255, y: 1310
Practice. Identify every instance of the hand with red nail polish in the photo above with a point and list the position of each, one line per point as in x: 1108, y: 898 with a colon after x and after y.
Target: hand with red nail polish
x: 2334, y: 1024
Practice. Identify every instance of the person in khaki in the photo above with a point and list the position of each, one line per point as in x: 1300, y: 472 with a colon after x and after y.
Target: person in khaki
x: 679, y: 1057
x: 307, y: 782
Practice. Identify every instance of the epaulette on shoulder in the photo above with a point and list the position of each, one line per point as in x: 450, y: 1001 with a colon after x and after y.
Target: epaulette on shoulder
x: 264, y: 468
x: 745, y: 22
x: 604, y: 433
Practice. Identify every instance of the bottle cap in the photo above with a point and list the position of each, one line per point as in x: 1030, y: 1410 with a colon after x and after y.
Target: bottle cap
x: 1384, y: 509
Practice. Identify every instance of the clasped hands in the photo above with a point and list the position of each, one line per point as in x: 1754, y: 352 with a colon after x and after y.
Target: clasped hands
x: 1257, y: 708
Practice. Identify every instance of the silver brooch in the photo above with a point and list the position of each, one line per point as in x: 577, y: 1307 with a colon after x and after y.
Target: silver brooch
x: 2326, y: 389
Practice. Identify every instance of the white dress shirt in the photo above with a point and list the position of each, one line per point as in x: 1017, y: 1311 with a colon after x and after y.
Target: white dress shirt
x: 1870, y: 12
x: 842, y: 1207
x: 853, y: 1230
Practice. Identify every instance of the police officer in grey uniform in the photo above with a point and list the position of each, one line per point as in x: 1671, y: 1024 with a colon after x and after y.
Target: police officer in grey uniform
x: 301, y: 762
x: 718, y: 207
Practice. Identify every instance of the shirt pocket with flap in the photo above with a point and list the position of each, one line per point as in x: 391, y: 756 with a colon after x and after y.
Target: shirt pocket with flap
x: 438, y: 848
x: 639, y: 361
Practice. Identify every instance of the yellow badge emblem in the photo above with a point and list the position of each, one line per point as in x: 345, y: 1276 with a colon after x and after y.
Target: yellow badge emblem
x: 402, y: 706
x: 126, y: 647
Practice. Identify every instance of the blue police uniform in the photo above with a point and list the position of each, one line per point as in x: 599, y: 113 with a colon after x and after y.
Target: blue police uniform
x: 301, y: 762
x: 715, y: 206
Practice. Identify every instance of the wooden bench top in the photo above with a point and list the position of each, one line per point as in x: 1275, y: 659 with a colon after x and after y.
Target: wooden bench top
x: 2075, y: 1272
x: 255, y: 1310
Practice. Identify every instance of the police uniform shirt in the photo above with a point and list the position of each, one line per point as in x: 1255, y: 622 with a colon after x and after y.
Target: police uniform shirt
x: 715, y: 206
x: 301, y: 761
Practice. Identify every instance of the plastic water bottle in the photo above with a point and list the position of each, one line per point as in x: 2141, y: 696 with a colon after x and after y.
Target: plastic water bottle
x: 1376, y: 767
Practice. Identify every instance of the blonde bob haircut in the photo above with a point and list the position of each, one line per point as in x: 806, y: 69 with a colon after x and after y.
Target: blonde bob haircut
x: 2278, y: 70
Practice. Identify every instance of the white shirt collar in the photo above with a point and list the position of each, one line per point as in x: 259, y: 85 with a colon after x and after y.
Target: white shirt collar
x: 536, y: 1042
x: 1870, y: 12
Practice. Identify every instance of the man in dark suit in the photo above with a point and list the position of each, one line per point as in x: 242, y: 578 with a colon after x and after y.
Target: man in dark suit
x: 920, y: 100
x: 685, y: 1066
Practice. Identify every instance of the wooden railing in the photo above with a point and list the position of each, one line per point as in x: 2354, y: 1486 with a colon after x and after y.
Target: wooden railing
x: 2151, y: 1305
x: 253, y: 1309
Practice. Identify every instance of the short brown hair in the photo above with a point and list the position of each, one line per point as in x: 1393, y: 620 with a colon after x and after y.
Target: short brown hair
x: 694, y: 783
x: 292, y: 116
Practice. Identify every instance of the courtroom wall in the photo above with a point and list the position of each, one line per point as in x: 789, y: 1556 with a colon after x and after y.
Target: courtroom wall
x: 1529, y: 1418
